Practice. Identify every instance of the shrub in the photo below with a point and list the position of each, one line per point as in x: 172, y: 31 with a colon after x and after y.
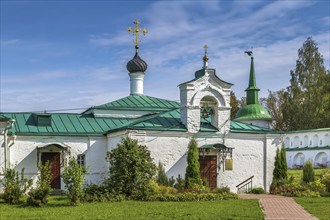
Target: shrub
x: 284, y: 166
x: 99, y: 193
x: 180, y: 184
x: 225, y: 189
x: 14, y: 185
x: 161, y: 176
x: 73, y: 178
x: 258, y: 190
x: 193, y: 175
x: 325, y: 179
x: 131, y: 169
x: 280, y: 165
x: 38, y: 196
x: 191, y: 196
x: 308, y: 172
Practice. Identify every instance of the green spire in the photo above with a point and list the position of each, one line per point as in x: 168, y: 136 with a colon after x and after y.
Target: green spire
x: 252, y: 90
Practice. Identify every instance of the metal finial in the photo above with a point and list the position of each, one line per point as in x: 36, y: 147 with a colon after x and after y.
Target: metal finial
x: 249, y: 52
x: 205, y: 58
x: 135, y: 31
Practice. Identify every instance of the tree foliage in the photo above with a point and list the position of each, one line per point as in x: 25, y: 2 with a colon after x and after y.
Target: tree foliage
x: 280, y: 165
x: 234, y: 103
x: 307, y: 99
x: 15, y: 185
x: 74, y: 176
x: 308, y: 172
x: 274, y: 104
x: 193, y: 175
x: 38, y: 196
x: 131, y: 169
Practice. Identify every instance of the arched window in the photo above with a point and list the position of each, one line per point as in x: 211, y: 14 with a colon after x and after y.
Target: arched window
x: 326, y: 140
x: 287, y: 142
x: 296, y: 141
x: 305, y: 144
x: 315, y: 140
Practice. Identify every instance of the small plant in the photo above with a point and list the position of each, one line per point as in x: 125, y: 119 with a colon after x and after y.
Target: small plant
x: 193, y: 175
x: 308, y: 172
x: 14, y: 185
x: 180, y: 184
x: 161, y: 176
x: 325, y: 179
x: 258, y: 190
x: 74, y: 176
x: 38, y: 196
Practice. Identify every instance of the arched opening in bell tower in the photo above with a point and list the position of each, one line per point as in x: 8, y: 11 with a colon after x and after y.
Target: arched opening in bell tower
x: 208, y: 110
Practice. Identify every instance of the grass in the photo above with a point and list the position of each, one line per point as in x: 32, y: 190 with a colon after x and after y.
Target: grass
x: 319, y: 207
x: 58, y: 208
x: 297, y: 174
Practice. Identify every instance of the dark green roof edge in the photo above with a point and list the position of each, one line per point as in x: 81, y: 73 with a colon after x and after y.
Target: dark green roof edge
x: 196, y: 78
x: 309, y: 130
x: 307, y: 148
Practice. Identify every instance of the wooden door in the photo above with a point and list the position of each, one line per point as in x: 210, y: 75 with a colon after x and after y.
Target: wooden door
x: 54, y: 159
x: 208, y: 169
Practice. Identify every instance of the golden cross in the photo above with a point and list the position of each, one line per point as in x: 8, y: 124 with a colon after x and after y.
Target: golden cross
x: 205, y: 47
x: 135, y: 31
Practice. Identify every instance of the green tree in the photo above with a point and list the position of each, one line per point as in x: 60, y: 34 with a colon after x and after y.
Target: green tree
x: 284, y: 166
x: 193, y: 175
x: 308, y: 172
x: 277, y: 166
x: 161, y: 176
x: 274, y: 104
x: 307, y: 100
x: 74, y: 176
x: 15, y: 185
x: 131, y: 169
x: 38, y: 196
x: 234, y: 103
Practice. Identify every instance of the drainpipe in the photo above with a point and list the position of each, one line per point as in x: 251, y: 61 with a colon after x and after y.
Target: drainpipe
x: 6, y: 148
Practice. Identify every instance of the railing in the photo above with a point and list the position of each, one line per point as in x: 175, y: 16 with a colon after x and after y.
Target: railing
x: 245, y: 186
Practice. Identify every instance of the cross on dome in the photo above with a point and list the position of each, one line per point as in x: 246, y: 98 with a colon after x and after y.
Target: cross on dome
x: 136, y: 31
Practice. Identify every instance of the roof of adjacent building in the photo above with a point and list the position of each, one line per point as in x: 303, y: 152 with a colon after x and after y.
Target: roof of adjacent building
x: 253, y: 111
x: 166, y: 118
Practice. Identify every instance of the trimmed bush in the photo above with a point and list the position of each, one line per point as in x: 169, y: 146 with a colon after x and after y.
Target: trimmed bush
x: 131, y: 169
x: 15, y: 185
x: 258, y: 190
x: 325, y: 179
x: 190, y: 196
x: 308, y: 172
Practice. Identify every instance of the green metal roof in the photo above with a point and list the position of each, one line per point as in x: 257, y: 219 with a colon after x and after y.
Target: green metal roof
x: 253, y: 111
x: 309, y: 130
x: 64, y: 124
x: 139, y: 102
x: 168, y: 119
x: 307, y: 148
x: 200, y: 73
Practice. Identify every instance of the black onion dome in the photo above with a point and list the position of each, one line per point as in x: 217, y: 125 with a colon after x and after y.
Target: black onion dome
x: 136, y: 64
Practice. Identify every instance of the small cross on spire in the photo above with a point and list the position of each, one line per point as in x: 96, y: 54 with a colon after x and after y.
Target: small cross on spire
x: 205, y: 58
x: 135, y: 31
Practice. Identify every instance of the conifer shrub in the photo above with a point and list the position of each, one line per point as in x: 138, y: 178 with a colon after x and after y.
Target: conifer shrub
x: 74, y: 176
x: 161, y: 178
x: 15, y: 185
x: 131, y: 169
x: 179, y: 184
x: 193, y: 175
x: 38, y: 196
x: 308, y: 172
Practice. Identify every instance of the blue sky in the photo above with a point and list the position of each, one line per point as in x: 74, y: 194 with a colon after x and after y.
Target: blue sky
x: 73, y: 54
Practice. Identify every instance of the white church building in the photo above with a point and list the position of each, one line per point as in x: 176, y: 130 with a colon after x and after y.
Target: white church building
x: 235, y: 153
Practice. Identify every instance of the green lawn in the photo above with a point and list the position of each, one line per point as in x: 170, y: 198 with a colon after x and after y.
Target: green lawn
x: 58, y: 208
x: 297, y: 174
x: 319, y: 207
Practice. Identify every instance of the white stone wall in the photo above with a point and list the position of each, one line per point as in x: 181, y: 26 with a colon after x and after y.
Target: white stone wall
x: 24, y: 153
x: 253, y: 155
x: 307, y: 145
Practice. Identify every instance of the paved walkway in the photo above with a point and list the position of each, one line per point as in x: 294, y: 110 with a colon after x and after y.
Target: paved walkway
x: 280, y: 207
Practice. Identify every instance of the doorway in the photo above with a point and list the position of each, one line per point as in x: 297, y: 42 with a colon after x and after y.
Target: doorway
x: 54, y: 159
x: 208, y: 169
